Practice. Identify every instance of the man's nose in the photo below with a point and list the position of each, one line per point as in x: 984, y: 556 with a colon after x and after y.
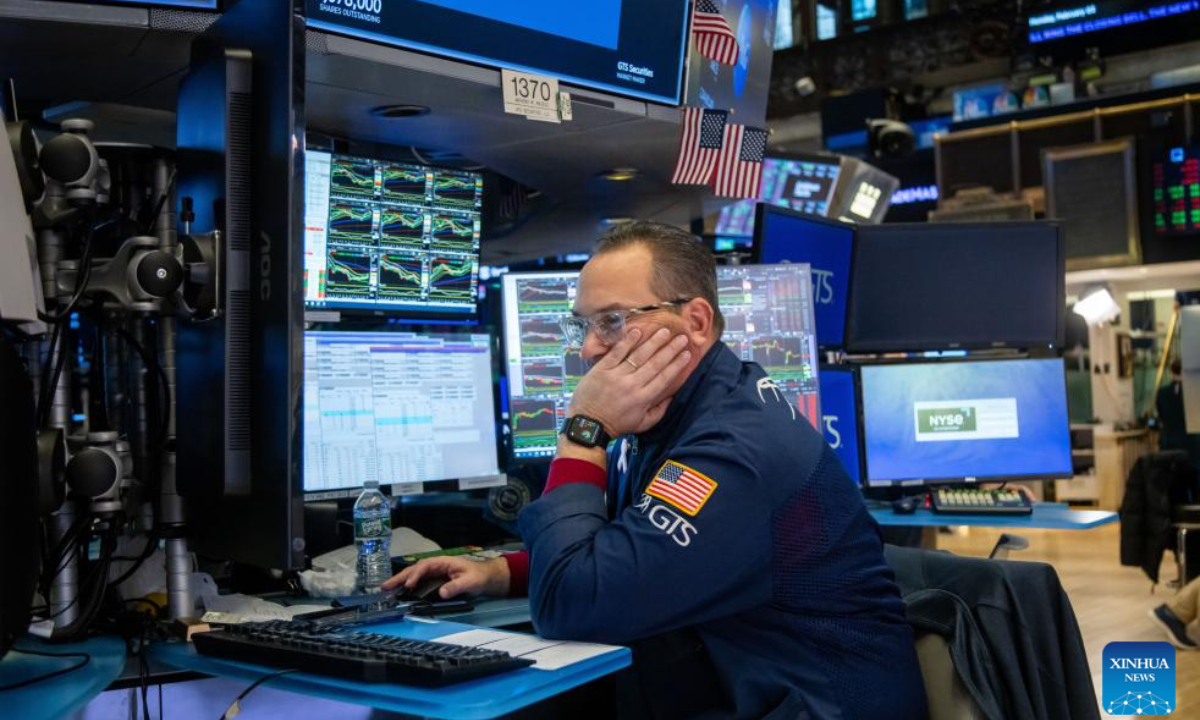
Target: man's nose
x: 593, y: 349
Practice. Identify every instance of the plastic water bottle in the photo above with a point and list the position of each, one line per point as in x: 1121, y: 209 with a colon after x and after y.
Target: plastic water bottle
x: 373, y: 537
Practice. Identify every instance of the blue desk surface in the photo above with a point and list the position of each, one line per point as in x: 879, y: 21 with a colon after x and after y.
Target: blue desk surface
x: 1045, y: 516
x: 65, y: 694
x: 487, y: 697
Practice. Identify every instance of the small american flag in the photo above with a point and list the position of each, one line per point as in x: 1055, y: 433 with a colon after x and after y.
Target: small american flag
x: 739, y: 169
x: 714, y: 37
x: 700, y: 138
x: 682, y: 487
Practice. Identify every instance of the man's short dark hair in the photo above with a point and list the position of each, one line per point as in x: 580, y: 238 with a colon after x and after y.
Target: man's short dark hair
x: 683, y: 266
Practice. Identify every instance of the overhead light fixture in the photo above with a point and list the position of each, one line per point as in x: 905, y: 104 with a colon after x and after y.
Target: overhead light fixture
x: 1098, y: 307
x: 620, y: 174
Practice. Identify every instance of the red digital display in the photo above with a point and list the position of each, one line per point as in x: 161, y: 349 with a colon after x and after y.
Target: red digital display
x: 1177, y: 191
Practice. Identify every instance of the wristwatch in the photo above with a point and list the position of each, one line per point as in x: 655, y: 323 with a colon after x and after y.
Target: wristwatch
x: 585, y: 431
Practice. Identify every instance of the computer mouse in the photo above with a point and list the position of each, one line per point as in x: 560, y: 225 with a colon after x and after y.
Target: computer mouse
x: 426, y: 590
x: 904, y: 506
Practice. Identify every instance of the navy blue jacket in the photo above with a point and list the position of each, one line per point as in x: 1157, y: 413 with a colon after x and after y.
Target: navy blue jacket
x: 771, y: 600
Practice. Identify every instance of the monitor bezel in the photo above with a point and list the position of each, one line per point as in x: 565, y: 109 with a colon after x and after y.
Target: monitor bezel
x: 1000, y: 344
x: 764, y: 209
x: 319, y: 142
x: 428, y: 486
x: 867, y: 482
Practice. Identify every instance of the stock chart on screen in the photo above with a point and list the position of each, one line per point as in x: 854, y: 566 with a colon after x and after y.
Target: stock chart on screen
x: 385, y: 235
x: 768, y: 313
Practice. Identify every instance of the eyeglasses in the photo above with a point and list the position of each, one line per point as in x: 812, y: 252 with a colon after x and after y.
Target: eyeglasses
x: 610, y: 324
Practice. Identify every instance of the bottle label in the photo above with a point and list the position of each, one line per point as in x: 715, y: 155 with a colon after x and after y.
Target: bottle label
x: 371, y: 527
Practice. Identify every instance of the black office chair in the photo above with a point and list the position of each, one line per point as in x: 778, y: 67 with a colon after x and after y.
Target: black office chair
x: 994, y: 639
x: 1184, y: 518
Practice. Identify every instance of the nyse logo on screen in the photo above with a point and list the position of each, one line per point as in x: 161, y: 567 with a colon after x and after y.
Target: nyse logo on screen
x: 1139, y: 678
x: 946, y: 420
x: 822, y: 281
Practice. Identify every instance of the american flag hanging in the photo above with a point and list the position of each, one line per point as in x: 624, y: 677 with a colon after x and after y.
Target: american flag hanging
x: 739, y: 168
x: 714, y: 37
x: 700, y: 138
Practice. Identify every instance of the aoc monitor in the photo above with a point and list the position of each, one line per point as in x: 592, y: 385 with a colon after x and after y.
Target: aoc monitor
x: 392, y: 237
x: 633, y: 49
x: 401, y: 408
x: 768, y: 319
x: 930, y: 423
x: 784, y: 236
x: 957, y: 286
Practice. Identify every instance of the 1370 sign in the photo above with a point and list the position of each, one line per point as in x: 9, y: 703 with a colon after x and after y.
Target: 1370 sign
x: 534, y: 96
x: 531, y: 88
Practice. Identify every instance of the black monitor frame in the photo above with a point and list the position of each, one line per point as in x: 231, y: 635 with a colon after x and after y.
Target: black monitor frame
x: 756, y: 254
x: 1005, y: 343
x: 863, y: 433
x: 258, y: 520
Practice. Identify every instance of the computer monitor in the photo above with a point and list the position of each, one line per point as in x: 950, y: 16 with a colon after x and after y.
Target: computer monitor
x: 401, y: 408
x: 839, y: 411
x: 389, y: 236
x: 804, y: 183
x: 634, y: 49
x: 969, y: 421
x: 782, y: 235
x: 940, y: 286
x: 542, y: 373
x: 768, y: 319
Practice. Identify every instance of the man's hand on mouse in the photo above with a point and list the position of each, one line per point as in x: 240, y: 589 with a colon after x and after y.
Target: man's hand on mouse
x: 625, y: 390
x: 464, y: 576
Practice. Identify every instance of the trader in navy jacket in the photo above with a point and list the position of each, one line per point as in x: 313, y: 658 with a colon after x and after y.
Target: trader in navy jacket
x: 719, y: 537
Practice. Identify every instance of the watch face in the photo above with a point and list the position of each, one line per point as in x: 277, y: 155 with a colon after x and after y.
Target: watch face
x: 587, y: 430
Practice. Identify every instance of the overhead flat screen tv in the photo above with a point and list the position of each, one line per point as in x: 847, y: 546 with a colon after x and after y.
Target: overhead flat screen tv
x: 1110, y: 22
x: 945, y: 286
x: 804, y: 183
x: 633, y: 49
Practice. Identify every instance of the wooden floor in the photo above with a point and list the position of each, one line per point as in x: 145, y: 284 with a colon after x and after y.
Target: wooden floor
x: 1110, y: 601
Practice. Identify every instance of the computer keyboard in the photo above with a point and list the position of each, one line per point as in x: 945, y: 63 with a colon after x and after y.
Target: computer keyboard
x: 357, y: 656
x: 980, y: 502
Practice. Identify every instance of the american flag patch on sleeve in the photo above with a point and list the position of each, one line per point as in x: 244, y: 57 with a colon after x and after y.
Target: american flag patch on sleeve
x: 681, y: 487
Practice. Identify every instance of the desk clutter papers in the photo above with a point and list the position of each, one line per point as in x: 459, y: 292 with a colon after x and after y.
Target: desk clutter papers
x: 335, y: 574
x: 227, y: 609
x: 546, y: 654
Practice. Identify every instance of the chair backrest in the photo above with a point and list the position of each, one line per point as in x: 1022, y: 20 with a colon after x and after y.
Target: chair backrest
x: 944, y: 692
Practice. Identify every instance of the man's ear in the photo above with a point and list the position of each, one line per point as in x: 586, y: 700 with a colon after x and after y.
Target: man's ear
x: 698, y: 315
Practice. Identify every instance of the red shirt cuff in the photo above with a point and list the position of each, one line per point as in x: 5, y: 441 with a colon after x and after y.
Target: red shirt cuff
x: 573, y: 470
x: 518, y: 573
